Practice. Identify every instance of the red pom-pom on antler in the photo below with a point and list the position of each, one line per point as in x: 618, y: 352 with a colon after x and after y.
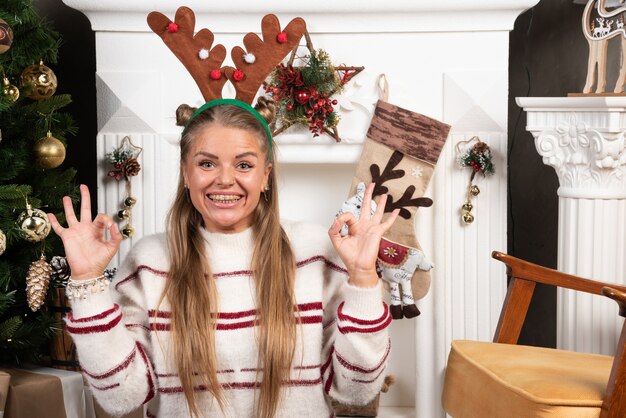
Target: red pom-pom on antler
x: 215, y: 74
x: 281, y: 37
x: 172, y: 27
x: 238, y: 75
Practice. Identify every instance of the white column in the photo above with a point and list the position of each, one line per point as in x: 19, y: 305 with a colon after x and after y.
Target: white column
x: 582, y: 138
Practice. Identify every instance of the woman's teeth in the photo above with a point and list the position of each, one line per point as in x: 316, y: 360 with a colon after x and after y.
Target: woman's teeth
x: 224, y: 198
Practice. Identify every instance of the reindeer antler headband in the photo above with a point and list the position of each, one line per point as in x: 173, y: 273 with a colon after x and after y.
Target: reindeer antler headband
x: 204, y: 61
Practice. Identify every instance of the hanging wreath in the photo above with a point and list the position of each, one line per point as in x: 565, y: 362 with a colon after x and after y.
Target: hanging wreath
x: 303, y: 93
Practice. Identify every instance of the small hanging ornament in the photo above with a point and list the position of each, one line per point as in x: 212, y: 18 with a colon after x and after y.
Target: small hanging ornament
x: 124, y: 160
x: 34, y: 224
x: 37, y: 281
x: 40, y: 80
x: 3, y: 242
x: 49, y: 152
x: 9, y: 91
x: 60, y: 271
x: 479, y: 159
x: 6, y: 36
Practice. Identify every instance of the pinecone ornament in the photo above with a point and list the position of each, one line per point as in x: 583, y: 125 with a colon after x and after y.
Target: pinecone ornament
x: 37, y: 281
x: 60, y: 271
x: 131, y: 167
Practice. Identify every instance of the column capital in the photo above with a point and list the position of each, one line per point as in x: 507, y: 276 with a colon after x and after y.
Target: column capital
x: 584, y: 143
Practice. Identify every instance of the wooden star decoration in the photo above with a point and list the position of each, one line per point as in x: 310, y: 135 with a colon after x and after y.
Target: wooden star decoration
x: 344, y: 75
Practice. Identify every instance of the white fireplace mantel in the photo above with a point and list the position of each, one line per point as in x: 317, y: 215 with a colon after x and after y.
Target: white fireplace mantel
x: 322, y: 15
x: 447, y: 59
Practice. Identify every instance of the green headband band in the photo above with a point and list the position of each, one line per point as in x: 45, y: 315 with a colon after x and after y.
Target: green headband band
x: 238, y: 103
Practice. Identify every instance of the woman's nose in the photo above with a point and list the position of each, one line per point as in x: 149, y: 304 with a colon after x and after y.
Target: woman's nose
x: 226, y: 177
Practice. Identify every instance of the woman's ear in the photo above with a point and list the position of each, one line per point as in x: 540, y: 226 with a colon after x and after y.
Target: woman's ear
x: 268, y: 170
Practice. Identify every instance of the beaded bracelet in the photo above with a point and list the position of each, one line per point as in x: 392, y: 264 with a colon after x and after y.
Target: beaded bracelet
x: 81, y: 288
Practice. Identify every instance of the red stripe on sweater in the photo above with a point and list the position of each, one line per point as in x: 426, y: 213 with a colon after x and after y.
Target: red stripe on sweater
x: 328, y: 360
x: 345, y: 363
x: 348, y: 330
x: 102, y: 315
x: 326, y: 261
x: 95, y: 328
x: 233, y: 273
x: 151, y: 392
x: 302, y: 307
x: 315, y: 319
x: 103, y: 388
x: 124, y: 364
x: 329, y: 382
x: 135, y: 274
x: 345, y: 317
x: 241, y: 385
x: 372, y: 380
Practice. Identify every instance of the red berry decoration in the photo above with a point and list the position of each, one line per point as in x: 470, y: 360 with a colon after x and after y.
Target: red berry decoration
x: 289, y: 106
x: 215, y: 74
x: 281, y: 38
x: 302, y: 96
x: 238, y: 75
x: 172, y: 27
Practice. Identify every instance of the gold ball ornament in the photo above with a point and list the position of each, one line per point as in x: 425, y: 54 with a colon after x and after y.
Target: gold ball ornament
x: 41, y: 79
x: 49, y: 152
x: 9, y: 90
x: 6, y: 36
x: 34, y: 224
x: 3, y: 242
x: 468, y: 218
x: 474, y: 190
x: 128, y: 231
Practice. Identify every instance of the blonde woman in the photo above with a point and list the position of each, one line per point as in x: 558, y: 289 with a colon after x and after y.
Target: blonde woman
x: 230, y: 312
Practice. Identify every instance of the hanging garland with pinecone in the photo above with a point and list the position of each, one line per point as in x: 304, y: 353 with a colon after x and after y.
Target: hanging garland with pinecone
x: 303, y: 93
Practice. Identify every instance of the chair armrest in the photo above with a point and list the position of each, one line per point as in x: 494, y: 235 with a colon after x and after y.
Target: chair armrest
x: 618, y: 296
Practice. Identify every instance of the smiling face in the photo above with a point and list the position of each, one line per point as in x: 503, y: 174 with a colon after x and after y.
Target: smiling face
x: 225, y: 171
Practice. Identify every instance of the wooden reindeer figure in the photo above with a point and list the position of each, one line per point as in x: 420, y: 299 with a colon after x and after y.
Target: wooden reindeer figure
x: 600, y: 25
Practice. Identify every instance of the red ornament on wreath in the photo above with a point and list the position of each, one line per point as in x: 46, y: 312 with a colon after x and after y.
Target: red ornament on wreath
x: 302, y: 96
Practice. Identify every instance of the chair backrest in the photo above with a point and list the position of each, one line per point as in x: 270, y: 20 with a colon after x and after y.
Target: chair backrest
x: 523, y: 277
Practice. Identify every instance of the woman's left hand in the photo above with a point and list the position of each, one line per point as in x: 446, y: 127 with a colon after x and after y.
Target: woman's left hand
x: 359, y: 248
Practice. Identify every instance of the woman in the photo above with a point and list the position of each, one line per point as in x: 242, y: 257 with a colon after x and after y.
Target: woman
x: 229, y: 313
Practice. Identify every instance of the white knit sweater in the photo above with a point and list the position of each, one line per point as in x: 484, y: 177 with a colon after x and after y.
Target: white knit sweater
x: 341, y: 351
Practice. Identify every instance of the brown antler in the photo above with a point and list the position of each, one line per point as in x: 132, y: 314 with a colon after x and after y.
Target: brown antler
x: 203, y: 62
x: 389, y: 173
x: 266, y: 54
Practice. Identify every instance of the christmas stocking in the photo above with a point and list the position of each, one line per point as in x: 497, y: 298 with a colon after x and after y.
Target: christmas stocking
x: 399, y: 155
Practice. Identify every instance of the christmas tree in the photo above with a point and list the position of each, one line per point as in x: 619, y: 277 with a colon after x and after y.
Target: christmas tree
x: 32, y: 148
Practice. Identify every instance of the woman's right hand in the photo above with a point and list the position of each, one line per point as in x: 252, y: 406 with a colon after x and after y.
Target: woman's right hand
x: 87, y: 248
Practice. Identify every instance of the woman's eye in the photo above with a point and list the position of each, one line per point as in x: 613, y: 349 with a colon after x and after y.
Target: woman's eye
x: 206, y: 164
x: 245, y: 166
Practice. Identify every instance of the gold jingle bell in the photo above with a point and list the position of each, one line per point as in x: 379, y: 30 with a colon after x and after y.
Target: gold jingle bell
x: 41, y: 79
x: 128, y: 231
x: 130, y: 202
x: 9, y: 90
x: 468, y: 218
x: 474, y: 190
x: 467, y: 207
x: 49, y: 152
x: 123, y: 214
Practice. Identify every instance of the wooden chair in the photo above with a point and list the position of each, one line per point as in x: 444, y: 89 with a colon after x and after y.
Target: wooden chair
x: 502, y: 379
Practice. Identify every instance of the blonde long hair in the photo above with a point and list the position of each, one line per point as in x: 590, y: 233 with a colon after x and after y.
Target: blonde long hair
x: 191, y: 290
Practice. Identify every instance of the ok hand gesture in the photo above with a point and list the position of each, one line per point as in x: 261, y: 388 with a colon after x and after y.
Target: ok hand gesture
x: 87, y: 249
x: 359, y: 248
